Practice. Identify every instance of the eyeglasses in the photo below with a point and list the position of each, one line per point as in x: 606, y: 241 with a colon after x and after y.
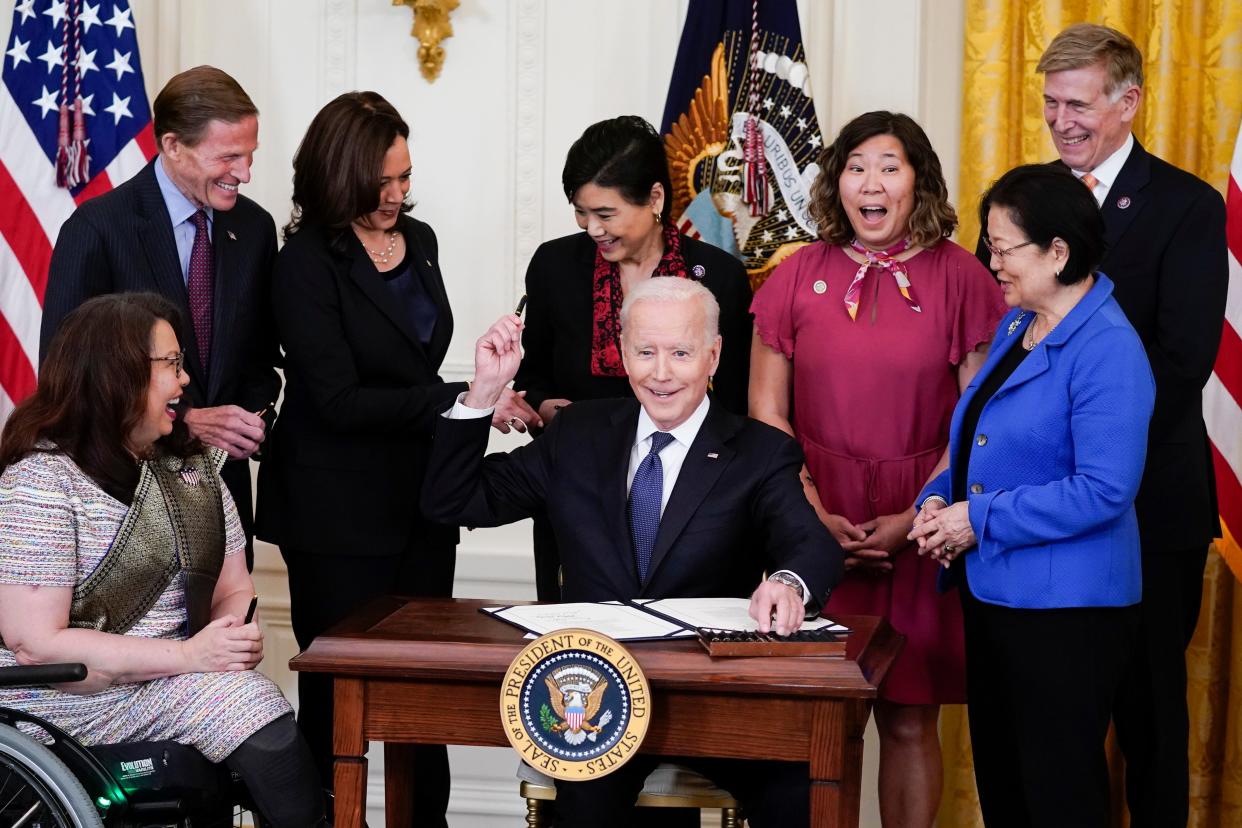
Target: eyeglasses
x: 1001, y: 254
x: 178, y: 362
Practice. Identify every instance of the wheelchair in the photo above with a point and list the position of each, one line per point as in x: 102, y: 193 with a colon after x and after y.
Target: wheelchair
x: 59, y: 783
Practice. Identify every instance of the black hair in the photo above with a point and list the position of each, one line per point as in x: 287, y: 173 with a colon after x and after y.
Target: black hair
x: 1046, y: 202
x: 624, y: 153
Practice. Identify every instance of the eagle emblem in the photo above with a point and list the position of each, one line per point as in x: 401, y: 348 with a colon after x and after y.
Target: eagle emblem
x: 576, y: 694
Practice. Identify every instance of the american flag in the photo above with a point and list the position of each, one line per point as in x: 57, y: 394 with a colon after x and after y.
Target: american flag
x: 1222, y: 399
x: 101, y: 65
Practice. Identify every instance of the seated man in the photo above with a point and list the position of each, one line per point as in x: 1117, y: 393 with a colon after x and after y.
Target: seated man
x: 714, y: 501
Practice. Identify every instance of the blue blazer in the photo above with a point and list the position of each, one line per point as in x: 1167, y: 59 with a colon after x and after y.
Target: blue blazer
x: 1056, y: 463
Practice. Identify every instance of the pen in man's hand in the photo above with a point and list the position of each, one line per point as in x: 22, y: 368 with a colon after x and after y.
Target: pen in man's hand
x: 521, y: 306
x: 265, y: 409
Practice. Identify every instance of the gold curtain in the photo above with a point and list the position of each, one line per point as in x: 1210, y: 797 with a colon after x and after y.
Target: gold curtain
x: 1192, y: 104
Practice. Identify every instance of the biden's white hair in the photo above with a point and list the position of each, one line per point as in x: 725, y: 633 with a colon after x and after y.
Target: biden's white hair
x: 668, y: 289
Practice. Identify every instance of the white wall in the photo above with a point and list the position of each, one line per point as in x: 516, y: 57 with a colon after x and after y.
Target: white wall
x: 522, y: 78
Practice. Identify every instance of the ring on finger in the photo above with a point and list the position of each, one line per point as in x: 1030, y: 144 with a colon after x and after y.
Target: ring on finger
x: 950, y: 548
x: 512, y: 421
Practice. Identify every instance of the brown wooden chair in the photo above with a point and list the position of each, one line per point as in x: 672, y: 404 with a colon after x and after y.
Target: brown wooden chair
x: 668, y: 786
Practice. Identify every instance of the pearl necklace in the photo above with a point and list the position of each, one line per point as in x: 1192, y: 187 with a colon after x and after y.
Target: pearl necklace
x: 385, y: 257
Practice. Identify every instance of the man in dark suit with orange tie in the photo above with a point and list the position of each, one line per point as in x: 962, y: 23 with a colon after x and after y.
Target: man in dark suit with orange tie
x: 1165, y: 231
x: 181, y: 229
x: 665, y: 495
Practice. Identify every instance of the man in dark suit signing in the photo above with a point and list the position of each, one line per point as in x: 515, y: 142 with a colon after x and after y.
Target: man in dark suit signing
x: 666, y: 495
x: 1165, y: 231
x: 181, y: 229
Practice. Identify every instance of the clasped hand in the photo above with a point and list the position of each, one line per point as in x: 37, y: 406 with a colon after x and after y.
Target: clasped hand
x: 943, y: 532
x: 224, y: 645
x: 870, y: 544
x: 228, y: 427
x: 497, y: 355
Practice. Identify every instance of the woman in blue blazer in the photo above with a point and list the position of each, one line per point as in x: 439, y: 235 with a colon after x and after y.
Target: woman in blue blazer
x: 1035, y: 515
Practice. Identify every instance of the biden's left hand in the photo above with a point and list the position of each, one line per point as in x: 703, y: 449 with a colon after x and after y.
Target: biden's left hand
x: 776, y: 606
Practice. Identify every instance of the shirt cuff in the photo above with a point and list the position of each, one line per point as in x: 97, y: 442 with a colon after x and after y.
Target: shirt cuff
x: 461, y: 411
x: 806, y: 593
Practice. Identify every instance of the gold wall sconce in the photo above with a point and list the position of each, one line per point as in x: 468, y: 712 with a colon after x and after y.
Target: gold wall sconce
x: 431, y: 25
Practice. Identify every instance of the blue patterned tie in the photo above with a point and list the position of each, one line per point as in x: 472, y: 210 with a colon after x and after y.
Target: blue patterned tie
x: 646, y: 493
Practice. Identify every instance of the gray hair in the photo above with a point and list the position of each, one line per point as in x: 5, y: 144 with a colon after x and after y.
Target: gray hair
x: 668, y: 289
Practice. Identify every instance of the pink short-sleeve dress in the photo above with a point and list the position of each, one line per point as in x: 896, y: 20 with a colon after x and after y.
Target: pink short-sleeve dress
x: 872, y: 400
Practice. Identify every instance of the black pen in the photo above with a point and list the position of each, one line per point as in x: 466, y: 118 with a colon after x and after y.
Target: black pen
x: 521, y: 306
x: 254, y: 603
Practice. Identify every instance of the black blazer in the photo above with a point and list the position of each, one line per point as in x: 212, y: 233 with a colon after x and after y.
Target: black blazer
x: 345, y: 460
x: 123, y: 241
x: 559, y: 323
x: 1168, y: 261
x: 737, y: 508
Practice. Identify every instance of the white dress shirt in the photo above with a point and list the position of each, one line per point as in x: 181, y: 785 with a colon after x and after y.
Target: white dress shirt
x: 672, y: 457
x: 1106, y: 173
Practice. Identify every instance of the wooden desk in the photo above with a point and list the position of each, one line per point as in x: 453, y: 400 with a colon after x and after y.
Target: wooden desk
x: 429, y: 671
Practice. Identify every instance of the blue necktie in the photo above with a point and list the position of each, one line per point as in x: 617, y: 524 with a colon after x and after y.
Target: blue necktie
x: 646, y: 492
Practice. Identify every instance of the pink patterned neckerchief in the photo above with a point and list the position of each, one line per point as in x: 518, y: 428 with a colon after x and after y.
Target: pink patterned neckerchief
x: 882, y: 259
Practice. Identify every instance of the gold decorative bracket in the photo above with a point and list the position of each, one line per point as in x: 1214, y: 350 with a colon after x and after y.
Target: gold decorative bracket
x: 431, y: 25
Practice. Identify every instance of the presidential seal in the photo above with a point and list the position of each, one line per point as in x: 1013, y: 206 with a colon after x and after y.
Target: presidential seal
x: 575, y: 704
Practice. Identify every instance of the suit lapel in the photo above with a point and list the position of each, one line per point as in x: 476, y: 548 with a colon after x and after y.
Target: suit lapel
x: 160, y: 248
x: 1129, y: 189
x: 612, y: 446
x: 428, y: 272
x: 698, y: 476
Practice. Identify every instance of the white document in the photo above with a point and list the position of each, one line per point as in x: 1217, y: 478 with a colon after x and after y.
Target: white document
x: 613, y: 619
x: 720, y: 614
x: 644, y: 618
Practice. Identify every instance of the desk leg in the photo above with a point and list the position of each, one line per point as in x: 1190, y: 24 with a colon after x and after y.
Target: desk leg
x: 349, y: 771
x: 399, y: 782
x: 836, y: 762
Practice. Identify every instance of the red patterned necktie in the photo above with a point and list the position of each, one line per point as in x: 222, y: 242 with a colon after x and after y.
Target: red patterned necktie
x: 200, y: 285
x: 884, y: 260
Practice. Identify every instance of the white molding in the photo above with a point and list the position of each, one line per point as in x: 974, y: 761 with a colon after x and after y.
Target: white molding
x: 527, y: 25
x: 338, y: 70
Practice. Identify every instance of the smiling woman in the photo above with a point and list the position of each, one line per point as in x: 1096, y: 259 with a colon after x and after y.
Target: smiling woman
x: 97, y: 472
x: 864, y: 340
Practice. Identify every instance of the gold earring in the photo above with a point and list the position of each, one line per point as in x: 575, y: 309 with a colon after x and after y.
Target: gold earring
x: 656, y: 213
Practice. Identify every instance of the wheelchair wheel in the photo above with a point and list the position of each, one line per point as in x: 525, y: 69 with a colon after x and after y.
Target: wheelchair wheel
x: 37, y: 790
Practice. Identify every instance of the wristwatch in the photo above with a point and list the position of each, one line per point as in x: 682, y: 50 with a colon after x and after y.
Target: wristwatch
x: 789, y: 581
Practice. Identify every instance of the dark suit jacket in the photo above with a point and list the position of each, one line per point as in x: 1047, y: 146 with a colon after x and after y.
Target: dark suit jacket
x: 123, y: 241
x: 559, y: 323
x: 345, y: 461
x: 1167, y: 258
x: 728, y: 519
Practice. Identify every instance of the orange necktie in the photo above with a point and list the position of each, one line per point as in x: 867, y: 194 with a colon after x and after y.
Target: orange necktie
x: 1090, y: 180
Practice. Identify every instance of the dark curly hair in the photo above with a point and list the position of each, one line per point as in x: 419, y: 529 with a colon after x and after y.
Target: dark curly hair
x: 933, y: 218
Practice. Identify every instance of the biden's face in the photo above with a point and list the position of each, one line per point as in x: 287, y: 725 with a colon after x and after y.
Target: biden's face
x: 669, y: 358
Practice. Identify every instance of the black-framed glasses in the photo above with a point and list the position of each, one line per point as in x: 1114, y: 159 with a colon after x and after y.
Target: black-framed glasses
x: 177, y: 362
x: 1001, y: 254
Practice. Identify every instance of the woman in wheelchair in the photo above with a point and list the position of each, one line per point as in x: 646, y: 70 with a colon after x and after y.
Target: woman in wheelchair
x: 121, y: 549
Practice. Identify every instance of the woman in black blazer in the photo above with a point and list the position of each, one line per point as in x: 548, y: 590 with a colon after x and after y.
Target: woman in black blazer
x: 364, y: 321
x: 616, y: 177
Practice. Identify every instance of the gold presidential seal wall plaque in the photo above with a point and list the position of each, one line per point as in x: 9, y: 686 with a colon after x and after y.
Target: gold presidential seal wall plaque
x: 575, y: 704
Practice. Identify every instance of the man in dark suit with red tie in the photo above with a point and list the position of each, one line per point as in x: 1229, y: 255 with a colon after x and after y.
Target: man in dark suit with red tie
x: 181, y: 229
x: 665, y: 495
x: 1165, y: 231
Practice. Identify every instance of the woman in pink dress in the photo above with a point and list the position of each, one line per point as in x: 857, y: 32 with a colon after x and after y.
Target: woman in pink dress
x: 863, y: 342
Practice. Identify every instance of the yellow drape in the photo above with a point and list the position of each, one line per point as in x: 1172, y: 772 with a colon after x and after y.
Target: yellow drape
x: 1192, y: 104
